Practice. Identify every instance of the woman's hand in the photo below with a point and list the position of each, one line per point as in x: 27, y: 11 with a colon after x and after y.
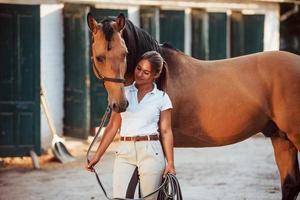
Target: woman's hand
x: 170, y: 169
x: 109, y: 133
x: 92, y: 163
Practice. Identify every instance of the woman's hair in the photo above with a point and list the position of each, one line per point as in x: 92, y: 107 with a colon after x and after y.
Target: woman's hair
x: 159, y: 66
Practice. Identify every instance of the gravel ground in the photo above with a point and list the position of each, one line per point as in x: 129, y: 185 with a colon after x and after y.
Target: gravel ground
x: 241, y: 171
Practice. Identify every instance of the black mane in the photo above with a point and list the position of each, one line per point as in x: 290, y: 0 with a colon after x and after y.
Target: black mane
x: 107, y: 30
x: 169, y: 46
x: 138, y: 42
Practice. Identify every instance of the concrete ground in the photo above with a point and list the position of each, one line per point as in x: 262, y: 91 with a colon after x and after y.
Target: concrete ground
x: 241, y: 171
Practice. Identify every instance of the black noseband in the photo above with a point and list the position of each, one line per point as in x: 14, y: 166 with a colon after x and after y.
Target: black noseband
x: 115, y: 80
x: 103, y: 78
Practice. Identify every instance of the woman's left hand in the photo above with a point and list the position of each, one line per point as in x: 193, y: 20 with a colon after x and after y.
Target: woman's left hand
x: 170, y: 169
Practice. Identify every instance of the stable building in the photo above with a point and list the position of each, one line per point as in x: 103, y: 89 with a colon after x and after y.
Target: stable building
x: 48, y: 42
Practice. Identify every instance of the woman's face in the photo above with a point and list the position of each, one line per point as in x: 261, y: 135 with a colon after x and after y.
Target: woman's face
x: 143, y: 73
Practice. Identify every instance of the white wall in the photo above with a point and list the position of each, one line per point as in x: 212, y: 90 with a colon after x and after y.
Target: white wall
x: 272, y: 28
x: 52, y: 67
x: 188, y: 31
x: 134, y: 14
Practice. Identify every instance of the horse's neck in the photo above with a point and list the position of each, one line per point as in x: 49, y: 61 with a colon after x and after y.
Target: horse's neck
x: 138, y: 42
x: 180, y: 64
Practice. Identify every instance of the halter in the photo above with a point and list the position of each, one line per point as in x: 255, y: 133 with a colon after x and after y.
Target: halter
x: 104, y: 78
x: 115, y: 80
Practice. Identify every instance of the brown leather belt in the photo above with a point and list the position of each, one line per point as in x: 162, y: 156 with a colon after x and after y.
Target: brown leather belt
x: 140, y: 138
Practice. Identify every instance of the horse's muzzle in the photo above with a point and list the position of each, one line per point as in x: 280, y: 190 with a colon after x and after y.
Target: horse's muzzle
x: 119, y: 107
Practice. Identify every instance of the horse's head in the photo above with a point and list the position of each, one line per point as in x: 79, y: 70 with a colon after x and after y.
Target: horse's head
x: 109, y: 58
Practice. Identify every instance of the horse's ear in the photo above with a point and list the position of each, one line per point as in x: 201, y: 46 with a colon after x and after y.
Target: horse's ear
x: 120, y: 22
x: 92, y: 23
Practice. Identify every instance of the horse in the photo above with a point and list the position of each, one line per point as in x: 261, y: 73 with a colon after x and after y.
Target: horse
x: 215, y: 103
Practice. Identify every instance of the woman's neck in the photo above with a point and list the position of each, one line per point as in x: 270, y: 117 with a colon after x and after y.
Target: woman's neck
x: 144, y: 88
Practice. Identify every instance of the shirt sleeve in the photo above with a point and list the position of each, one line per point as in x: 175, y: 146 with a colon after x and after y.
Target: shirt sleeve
x: 166, y: 102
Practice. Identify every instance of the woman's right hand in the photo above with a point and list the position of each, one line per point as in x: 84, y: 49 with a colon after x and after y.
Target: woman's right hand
x: 92, y: 163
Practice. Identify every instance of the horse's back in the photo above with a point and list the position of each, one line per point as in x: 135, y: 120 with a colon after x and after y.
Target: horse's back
x: 242, y: 90
x: 269, y: 68
x: 273, y: 75
x: 279, y: 74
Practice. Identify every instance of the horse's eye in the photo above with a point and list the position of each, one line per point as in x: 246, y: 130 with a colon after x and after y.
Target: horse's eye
x: 100, y: 59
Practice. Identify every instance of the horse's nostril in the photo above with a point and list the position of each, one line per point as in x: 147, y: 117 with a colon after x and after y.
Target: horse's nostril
x: 127, y: 103
x: 114, y: 106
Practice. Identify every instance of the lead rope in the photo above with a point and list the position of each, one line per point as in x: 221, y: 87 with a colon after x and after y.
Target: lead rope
x: 168, y: 190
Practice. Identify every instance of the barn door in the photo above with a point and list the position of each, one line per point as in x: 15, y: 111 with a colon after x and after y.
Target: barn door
x: 77, y: 76
x: 172, y: 28
x: 254, y: 37
x: 199, y: 35
x: 244, y: 38
x: 98, y: 93
x: 19, y: 80
x: 148, y: 21
x: 217, y: 35
x: 237, y: 34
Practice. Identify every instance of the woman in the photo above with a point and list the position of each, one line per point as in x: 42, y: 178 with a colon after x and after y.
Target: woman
x: 147, y: 120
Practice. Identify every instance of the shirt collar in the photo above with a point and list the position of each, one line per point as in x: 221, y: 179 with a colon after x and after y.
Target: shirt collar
x: 134, y: 89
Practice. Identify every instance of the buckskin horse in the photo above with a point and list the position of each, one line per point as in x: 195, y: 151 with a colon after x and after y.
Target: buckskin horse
x: 215, y: 102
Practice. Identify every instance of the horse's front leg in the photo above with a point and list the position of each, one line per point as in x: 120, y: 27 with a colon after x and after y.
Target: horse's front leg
x: 287, y: 162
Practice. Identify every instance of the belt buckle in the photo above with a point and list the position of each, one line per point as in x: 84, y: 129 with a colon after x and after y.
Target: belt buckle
x: 137, y: 138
